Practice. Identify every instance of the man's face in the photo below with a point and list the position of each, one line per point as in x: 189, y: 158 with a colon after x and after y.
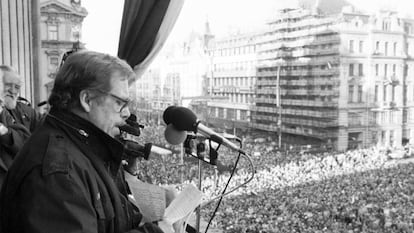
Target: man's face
x: 12, y: 83
x: 109, y: 111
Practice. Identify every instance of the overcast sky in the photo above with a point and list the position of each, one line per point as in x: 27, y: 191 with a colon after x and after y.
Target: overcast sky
x: 101, y: 26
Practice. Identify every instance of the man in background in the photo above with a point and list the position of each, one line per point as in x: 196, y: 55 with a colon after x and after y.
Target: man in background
x: 21, y: 112
x: 12, y: 136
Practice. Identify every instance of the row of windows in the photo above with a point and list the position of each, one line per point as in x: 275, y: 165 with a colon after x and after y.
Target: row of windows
x: 380, y: 47
x: 246, y: 65
x: 390, y: 117
x: 385, y: 91
x: 381, y: 136
x: 237, y: 98
x: 232, y: 114
x: 234, y: 81
x: 360, y: 69
x: 360, y: 46
x: 235, y: 51
x: 388, y: 93
x: 351, y: 91
x: 385, y: 70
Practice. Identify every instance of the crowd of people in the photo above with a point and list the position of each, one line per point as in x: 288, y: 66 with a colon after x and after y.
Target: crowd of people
x: 354, y: 191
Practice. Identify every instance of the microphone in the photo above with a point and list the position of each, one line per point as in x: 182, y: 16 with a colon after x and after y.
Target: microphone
x: 134, y: 149
x: 183, y: 119
x: 174, y: 136
x: 132, y: 126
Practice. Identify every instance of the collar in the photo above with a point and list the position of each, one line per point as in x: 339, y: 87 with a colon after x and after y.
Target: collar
x: 99, y: 142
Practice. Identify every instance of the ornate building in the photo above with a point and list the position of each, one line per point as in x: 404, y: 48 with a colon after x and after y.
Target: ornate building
x: 60, y: 30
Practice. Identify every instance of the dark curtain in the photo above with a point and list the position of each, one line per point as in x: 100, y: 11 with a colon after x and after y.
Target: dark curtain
x: 141, y: 21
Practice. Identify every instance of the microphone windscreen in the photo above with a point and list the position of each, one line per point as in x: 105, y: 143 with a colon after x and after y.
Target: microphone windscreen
x: 183, y: 119
x: 174, y: 136
x: 166, y: 116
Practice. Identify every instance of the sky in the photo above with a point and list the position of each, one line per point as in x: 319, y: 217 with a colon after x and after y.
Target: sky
x: 101, y: 27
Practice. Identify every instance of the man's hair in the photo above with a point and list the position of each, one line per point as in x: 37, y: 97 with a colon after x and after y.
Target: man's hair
x: 85, y: 70
x: 6, y: 68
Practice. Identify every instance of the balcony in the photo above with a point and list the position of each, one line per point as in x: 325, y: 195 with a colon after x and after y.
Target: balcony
x: 265, y: 127
x: 302, y: 72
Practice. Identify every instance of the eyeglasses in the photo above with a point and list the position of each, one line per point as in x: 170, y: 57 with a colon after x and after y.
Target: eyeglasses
x: 120, y: 101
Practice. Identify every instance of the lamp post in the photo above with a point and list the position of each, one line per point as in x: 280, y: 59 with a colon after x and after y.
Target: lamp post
x: 279, y: 105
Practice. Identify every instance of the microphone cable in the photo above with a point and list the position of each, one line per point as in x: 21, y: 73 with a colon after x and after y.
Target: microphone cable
x: 227, y: 184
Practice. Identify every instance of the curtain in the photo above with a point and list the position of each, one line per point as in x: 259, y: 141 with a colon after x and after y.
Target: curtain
x: 146, y: 25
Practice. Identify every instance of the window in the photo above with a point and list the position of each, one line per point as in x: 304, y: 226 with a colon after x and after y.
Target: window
x: 52, y: 32
x: 395, y: 49
x: 394, y: 69
x: 385, y: 70
x: 391, y: 137
x: 405, y: 92
x: 384, y: 94
x: 407, y: 28
x: 359, y: 93
x: 376, y: 93
x: 361, y: 46
x: 386, y: 48
x: 405, y: 70
x: 54, y: 61
x: 350, y: 93
x: 405, y: 116
x: 413, y: 94
x: 360, y: 69
x: 383, y: 136
x: 393, y: 93
x: 351, y: 46
x: 386, y: 25
x: 351, y: 69
x: 376, y: 69
x: 354, y: 118
x: 374, y: 137
x: 377, y: 46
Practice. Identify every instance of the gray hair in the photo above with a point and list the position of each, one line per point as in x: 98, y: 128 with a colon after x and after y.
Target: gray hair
x: 85, y: 70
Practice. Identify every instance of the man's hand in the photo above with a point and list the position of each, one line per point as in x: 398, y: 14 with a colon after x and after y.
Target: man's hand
x: 3, y: 129
x: 170, y: 194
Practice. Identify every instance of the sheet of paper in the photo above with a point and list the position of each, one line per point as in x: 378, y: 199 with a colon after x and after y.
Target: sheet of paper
x: 184, y: 204
x: 149, y: 198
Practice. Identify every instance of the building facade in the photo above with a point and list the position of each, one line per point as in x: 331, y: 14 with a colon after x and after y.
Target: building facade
x: 232, y: 80
x: 60, y: 30
x: 20, y: 42
x: 343, y: 80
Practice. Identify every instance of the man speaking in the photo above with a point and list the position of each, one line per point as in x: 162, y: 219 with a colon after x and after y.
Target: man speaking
x: 68, y: 176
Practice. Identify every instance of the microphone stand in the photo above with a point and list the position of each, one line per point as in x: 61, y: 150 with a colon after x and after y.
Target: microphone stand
x: 200, y: 154
x: 200, y: 150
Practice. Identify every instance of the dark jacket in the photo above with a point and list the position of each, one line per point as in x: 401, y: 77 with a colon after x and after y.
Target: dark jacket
x: 26, y: 115
x: 66, y: 179
x: 11, y: 142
